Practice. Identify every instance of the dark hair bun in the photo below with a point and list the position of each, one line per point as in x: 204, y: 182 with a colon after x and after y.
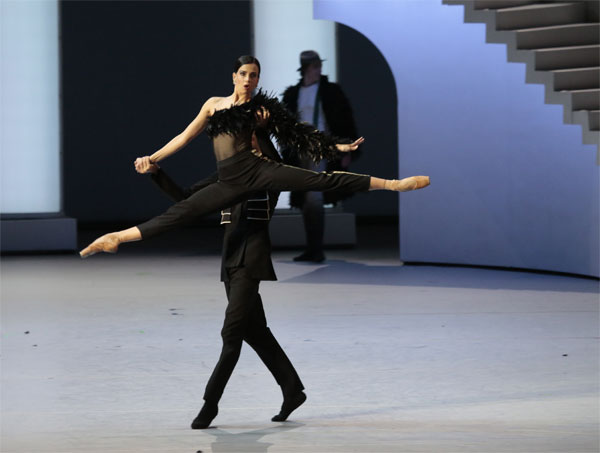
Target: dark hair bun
x: 245, y: 59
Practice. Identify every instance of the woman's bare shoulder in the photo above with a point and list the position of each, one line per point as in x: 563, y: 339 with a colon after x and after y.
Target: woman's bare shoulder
x: 217, y: 103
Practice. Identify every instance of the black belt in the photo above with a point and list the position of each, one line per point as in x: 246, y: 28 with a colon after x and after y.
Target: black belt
x: 257, y: 208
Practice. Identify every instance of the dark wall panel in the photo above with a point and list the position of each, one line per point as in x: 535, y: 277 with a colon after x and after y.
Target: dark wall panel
x: 369, y: 84
x: 134, y: 74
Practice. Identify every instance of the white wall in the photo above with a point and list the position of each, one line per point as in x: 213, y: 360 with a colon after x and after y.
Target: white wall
x: 30, y: 132
x: 283, y: 29
x: 511, y: 184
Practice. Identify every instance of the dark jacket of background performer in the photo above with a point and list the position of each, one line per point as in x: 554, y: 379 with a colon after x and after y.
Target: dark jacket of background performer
x: 340, y: 123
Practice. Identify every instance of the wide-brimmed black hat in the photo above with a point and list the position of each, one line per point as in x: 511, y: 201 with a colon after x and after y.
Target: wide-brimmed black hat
x: 307, y: 57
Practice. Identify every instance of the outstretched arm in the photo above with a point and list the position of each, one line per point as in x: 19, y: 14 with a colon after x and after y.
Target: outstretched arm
x: 144, y: 165
x: 189, y: 133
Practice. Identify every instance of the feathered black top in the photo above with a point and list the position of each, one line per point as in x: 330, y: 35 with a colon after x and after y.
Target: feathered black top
x: 289, y: 132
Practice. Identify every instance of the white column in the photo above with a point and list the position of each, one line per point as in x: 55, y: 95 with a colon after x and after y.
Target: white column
x: 30, y: 120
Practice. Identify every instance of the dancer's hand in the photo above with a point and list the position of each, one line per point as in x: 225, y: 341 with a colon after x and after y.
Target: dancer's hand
x: 262, y: 117
x: 351, y: 147
x: 108, y: 243
x: 145, y: 165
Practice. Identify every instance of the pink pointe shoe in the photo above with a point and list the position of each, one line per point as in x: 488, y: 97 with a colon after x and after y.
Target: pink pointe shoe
x: 407, y: 184
x: 108, y: 243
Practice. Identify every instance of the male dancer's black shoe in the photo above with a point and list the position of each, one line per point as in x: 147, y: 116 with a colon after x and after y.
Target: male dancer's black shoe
x: 288, y: 406
x: 315, y: 257
x: 205, y: 416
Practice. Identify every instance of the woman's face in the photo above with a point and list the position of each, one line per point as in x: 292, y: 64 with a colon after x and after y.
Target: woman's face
x: 245, y: 79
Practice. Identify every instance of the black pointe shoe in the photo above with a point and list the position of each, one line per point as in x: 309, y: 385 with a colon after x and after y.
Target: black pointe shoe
x: 289, y: 405
x: 205, y: 416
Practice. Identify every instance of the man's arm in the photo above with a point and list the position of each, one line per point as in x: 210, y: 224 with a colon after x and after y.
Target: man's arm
x: 265, y: 145
x: 144, y: 165
x: 174, y: 191
x: 167, y: 185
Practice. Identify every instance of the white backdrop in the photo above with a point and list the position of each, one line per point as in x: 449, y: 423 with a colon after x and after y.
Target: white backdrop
x: 30, y: 126
x: 511, y: 184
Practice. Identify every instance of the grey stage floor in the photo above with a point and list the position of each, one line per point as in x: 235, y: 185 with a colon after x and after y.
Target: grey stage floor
x: 111, y: 354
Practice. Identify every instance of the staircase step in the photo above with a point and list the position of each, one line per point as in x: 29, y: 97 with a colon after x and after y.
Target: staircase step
x: 496, y: 4
x: 558, y: 36
x: 576, y: 79
x: 594, y: 120
x: 585, y: 99
x: 567, y: 57
x: 539, y: 15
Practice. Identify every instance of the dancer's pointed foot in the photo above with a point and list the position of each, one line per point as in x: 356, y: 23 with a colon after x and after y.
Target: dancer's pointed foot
x: 406, y: 184
x: 108, y: 243
x: 289, y: 405
x: 205, y: 416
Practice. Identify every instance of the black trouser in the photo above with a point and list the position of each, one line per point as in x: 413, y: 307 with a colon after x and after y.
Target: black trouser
x: 313, y: 213
x: 245, y: 321
x: 244, y: 173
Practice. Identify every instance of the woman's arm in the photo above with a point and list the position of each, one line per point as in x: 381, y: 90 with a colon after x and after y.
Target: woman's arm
x: 143, y: 165
x: 190, y: 132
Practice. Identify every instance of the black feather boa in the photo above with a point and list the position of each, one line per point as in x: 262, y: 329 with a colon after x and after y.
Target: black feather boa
x: 284, y: 125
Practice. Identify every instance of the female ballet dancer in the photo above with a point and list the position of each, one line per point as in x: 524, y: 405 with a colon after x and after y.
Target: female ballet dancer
x: 231, y: 121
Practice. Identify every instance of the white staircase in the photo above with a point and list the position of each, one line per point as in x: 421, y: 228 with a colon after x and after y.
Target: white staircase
x: 560, y: 43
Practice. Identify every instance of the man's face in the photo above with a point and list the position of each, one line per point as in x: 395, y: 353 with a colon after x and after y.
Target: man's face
x: 312, y: 73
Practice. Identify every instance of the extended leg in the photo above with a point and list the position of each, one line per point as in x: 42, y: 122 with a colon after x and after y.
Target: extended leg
x: 257, y: 174
x: 252, y: 173
x: 212, y: 198
x: 282, y: 177
x: 277, y: 176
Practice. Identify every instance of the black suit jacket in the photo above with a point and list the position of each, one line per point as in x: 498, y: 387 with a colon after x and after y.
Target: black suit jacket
x: 337, y: 109
x: 246, y: 241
